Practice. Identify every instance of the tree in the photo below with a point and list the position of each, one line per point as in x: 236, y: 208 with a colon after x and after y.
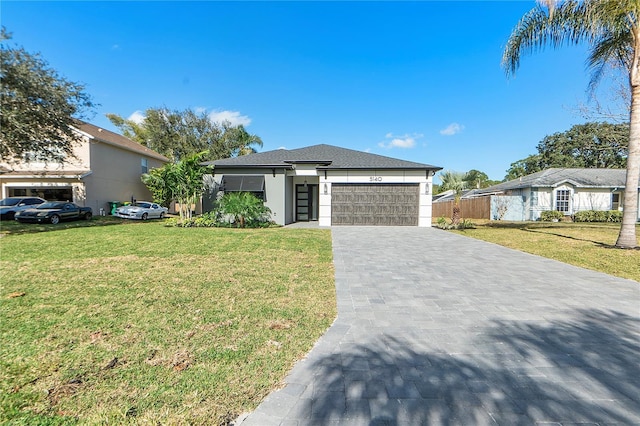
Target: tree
x: 524, y: 167
x: 37, y: 107
x: 611, y: 28
x: 453, y: 181
x: 476, y: 179
x: 590, y: 145
x: 182, y: 182
x: 178, y: 134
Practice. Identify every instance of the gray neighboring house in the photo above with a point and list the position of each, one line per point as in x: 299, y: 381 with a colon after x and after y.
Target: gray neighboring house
x: 564, y: 189
x: 329, y: 184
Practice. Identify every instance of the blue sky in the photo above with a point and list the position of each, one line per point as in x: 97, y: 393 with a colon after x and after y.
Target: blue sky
x: 414, y: 80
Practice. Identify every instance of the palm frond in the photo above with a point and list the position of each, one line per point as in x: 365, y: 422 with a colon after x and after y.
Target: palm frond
x: 538, y: 29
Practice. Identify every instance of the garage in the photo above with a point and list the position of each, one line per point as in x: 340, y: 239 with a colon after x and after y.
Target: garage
x: 375, y: 204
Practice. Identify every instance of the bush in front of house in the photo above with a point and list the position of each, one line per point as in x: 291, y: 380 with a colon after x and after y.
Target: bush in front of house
x: 551, y: 216
x: 598, y: 216
x: 233, y: 210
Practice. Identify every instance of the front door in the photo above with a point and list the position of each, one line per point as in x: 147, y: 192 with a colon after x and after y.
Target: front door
x: 306, y: 202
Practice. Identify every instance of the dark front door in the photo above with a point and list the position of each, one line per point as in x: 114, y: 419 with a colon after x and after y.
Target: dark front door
x: 306, y: 202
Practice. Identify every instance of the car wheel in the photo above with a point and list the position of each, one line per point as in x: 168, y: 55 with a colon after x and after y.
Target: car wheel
x: 161, y: 215
x: 55, y: 219
x: 145, y: 216
x: 88, y: 216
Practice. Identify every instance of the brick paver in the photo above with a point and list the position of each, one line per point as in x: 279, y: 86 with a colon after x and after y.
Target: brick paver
x: 435, y: 328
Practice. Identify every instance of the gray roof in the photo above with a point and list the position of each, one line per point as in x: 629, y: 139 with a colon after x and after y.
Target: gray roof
x: 326, y: 156
x: 550, y: 178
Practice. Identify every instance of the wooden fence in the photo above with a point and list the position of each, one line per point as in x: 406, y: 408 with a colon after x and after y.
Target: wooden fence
x: 472, y: 208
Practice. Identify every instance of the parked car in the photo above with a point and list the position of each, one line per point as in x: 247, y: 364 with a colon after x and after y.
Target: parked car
x: 9, y: 206
x: 141, y: 210
x: 54, y: 212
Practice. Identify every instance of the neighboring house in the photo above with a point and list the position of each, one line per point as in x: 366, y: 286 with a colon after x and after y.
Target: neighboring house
x: 331, y: 185
x: 107, y: 168
x: 563, y: 189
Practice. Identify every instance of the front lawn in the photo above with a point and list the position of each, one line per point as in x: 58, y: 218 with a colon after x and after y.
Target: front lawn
x: 588, y: 245
x: 141, y: 323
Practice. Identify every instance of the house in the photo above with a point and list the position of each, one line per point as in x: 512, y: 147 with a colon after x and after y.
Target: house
x: 331, y: 185
x: 563, y: 189
x: 107, y: 168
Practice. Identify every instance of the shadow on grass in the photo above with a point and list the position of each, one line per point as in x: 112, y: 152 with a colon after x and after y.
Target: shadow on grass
x: 548, y: 228
x: 16, y: 228
x: 580, y: 370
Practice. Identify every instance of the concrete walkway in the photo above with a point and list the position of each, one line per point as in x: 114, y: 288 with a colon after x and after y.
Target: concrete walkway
x: 438, y: 329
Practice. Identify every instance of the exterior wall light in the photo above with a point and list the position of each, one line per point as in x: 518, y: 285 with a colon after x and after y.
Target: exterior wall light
x: 326, y: 189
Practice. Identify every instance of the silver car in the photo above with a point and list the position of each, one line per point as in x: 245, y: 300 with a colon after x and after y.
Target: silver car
x: 142, y: 210
x: 9, y: 206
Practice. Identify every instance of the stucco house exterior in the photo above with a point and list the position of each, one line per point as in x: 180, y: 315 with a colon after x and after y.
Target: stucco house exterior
x: 107, y: 168
x: 567, y: 190
x: 331, y: 185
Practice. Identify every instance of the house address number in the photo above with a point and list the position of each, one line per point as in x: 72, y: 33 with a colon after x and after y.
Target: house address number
x: 375, y: 178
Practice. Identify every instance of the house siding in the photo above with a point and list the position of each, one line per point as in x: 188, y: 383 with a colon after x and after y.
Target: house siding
x: 100, y: 172
x: 116, y: 176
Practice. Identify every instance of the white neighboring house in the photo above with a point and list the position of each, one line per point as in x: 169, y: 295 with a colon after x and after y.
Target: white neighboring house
x: 107, y: 168
x: 330, y: 185
x: 567, y: 190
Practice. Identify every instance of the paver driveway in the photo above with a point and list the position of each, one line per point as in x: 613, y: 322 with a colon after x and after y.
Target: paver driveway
x: 435, y: 328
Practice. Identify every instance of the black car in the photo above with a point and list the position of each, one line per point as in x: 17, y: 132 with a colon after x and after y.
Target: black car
x: 54, y: 212
x: 9, y: 206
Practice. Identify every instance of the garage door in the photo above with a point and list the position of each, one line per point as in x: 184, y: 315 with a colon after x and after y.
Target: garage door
x: 375, y: 204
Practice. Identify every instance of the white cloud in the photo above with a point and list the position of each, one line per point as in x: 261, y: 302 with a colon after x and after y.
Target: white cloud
x: 405, y: 141
x: 199, y: 110
x: 137, y: 117
x: 452, y: 129
x: 232, y: 117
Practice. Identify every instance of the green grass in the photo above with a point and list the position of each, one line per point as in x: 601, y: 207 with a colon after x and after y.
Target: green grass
x: 141, y: 323
x: 588, y: 245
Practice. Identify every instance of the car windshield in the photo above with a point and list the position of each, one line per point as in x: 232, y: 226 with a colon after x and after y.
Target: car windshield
x: 143, y: 205
x: 12, y: 201
x: 50, y: 205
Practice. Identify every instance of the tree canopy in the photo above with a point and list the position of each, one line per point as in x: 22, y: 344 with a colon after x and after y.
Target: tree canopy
x: 179, y: 134
x: 37, y: 107
x: 611, y: 29
x: 589, y: 145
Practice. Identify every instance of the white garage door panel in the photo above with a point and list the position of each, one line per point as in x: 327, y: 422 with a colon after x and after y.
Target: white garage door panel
x: 375, y: 204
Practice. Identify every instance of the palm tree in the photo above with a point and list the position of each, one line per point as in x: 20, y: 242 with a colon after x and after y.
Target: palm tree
x: 453, y: 181
x: 612, y: 30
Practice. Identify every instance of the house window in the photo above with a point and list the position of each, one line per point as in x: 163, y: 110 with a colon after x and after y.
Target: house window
x: 563, y: 198
x: 145, y: 165
x: 615, y: 201
x: 244, y: 183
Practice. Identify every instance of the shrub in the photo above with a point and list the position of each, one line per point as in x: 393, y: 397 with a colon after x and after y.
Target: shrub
x: 598, y: 216
x: 551, y: 215
x: 442, y: 223
x: 245, y: 209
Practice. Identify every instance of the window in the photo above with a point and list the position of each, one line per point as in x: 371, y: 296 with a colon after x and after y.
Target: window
x: 563, y: 198
x: 145, y: 165
x: 244, y: 183
x: 615, y: 201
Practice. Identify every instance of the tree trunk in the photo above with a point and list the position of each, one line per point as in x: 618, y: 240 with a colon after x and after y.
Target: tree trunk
x: 627, y: 237
x: 455, y: 217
